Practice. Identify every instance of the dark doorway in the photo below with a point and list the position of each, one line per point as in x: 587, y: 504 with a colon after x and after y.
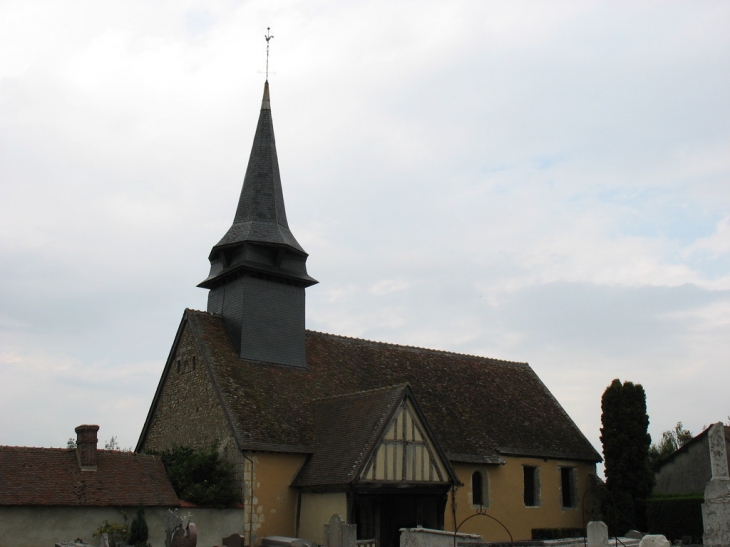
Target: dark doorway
x: 381, y: 517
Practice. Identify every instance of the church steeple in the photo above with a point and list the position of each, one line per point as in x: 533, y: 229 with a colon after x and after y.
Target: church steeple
x: 260, y: 215
x: 258, y: 270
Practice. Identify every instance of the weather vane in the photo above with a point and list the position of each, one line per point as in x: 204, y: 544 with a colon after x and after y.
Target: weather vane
x: 268, y: 37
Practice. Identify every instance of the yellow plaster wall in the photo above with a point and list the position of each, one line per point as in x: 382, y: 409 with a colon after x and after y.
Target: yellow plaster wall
x: 505, y: 499
x: 317, y: 509
x: 273, y: 511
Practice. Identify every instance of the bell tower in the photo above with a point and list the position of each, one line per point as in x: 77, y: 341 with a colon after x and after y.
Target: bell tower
x: 258, y: 270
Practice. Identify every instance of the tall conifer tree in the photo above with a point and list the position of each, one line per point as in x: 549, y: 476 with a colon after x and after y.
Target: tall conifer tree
x: 626, y: 442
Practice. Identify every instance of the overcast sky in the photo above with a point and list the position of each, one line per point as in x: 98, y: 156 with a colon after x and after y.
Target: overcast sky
x: 534, y: 181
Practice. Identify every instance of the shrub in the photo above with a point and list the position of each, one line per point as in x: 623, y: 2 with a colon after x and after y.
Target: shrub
x: 138, y: 531
x: 676, y: 516
x: 201, y: 476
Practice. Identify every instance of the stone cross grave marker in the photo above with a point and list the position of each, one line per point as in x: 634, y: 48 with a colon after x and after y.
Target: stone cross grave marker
x: 716, y: 509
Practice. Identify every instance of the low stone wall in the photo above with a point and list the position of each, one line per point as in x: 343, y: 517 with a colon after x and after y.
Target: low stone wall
x: 426, y: 537
x: 44, y: 526
x: 567, y: 542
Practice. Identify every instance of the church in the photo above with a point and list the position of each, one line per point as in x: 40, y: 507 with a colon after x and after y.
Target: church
x: 386, y: 436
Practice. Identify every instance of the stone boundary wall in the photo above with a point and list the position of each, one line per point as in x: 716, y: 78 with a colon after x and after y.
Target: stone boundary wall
x: 34, y: 526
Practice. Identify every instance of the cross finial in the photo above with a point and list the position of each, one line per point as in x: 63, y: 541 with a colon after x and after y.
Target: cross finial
x: 268, y: 37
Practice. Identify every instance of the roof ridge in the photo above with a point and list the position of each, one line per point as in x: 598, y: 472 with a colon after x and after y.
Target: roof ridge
x: 3, y: 446
x: 419, y: 348
x: 362, y: 392
x: 393, y: 345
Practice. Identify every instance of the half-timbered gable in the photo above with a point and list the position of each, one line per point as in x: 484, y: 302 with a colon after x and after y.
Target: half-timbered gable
x: 406, y: 452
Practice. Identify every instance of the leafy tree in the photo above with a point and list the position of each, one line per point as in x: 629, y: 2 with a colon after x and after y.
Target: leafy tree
x: 138, y: 530
x: 671, y: 442
x: 111, y: 444
x: 626, y: 441
x: 201, y: 476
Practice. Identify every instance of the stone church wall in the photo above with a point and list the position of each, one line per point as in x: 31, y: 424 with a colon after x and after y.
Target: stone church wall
x: 188, y: 412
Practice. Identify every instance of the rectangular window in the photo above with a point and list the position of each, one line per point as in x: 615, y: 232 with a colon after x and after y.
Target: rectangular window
x: 567, y: 486
x: 532, y: 486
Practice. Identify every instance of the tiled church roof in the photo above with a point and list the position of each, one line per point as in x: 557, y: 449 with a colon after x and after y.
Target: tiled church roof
x: 52, y: 476
x: 478, y: 408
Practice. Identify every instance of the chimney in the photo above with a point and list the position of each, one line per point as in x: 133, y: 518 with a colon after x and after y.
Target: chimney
x: 86, y: 446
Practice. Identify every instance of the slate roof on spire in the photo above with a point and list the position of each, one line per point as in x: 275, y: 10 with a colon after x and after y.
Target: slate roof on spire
x: 260, y: 216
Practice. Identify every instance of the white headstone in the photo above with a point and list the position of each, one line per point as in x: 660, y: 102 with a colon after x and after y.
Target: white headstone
x: 654, y: 540
x: 597, y: 534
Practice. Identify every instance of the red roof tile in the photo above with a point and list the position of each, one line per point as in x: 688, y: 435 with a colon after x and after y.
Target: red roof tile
x: 52, y: 476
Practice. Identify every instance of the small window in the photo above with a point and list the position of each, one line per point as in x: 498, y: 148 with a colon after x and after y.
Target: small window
x: 567, y: 486
x: 477, y: 489
x: 532, y: 486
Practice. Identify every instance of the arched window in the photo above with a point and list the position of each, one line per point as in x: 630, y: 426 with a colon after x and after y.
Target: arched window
x: 477, y: 488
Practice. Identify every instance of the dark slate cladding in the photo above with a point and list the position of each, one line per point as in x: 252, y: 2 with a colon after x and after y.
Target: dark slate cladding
x: 258, y: 271
x: 478, y: 408
x: 260, y: 215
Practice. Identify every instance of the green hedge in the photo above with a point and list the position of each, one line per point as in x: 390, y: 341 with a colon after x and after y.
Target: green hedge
x: 557, y: 533
x: 676, y: 516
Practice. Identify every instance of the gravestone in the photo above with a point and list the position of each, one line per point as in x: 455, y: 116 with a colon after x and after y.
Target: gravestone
x: 716, y: 509
x: 597, y: 534
x: 339, y: 534
x: 185, y: 538
x: 654, y: 540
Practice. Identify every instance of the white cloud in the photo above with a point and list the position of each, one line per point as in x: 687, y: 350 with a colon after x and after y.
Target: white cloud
x: 386, y: 286
x: 536, y: 182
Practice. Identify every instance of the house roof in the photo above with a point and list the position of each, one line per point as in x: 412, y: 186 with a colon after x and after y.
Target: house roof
x: 479, y: 408
x: 686, y: 446
x: 347, y: 429
x: 52, y: 476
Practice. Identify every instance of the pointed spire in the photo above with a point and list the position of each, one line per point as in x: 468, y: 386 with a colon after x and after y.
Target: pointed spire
x: 260, y: 216
x: 266, y: 103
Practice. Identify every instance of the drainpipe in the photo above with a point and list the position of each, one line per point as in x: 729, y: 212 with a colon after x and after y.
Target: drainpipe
x: 250, y: 519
